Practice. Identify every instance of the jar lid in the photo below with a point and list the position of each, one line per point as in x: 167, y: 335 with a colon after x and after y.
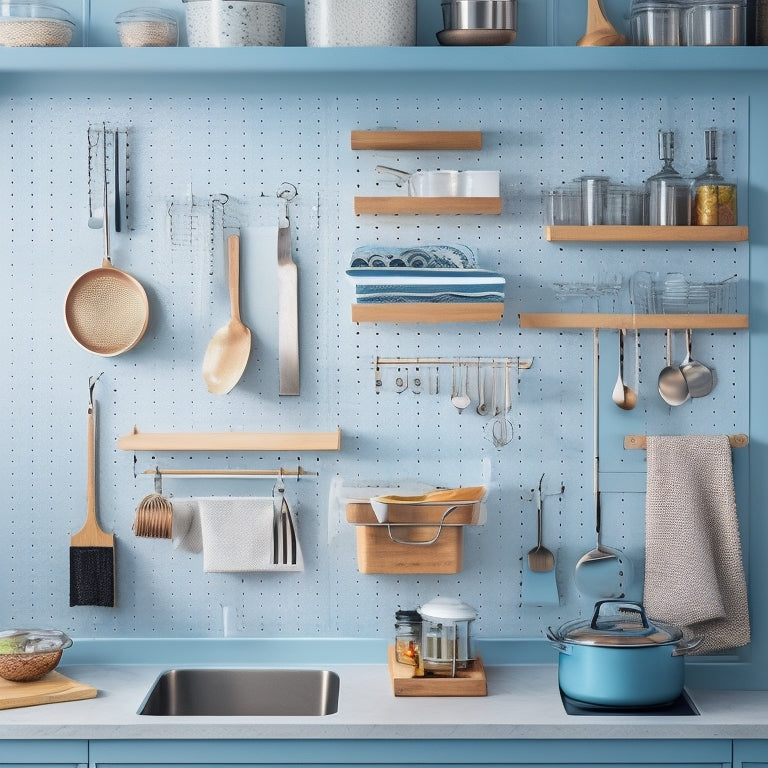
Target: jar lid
x: 447, y: 609
x: 413, y: 616
x: 13, y: 641
x: 618, y: 623
x: 14, y: 11
x: 145, y: 14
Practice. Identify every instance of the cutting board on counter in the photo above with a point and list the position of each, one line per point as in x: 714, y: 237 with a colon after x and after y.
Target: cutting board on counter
x: 52, y: 688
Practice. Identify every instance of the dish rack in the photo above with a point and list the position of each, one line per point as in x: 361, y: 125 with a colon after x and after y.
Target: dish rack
x: 674, y: 294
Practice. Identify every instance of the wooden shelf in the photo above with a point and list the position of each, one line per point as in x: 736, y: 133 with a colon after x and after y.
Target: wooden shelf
x: 599, y: 320
x: 230, y: 441
x: 416, y: 140
x: 436, y: 312
x: 614, y: 233
x: 433, y: 205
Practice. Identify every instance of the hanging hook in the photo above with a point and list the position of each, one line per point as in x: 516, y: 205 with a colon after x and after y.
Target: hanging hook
x: 91, y: 385
x: 158, y: 481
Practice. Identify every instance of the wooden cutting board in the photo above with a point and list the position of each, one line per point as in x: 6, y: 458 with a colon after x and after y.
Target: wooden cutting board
x: 52, y: 688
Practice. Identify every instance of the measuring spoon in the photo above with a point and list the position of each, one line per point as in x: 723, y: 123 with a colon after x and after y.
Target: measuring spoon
x: 623, y: 395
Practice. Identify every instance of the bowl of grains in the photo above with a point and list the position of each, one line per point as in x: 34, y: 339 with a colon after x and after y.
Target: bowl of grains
x: 147, y: 28
x: 29, y: 654
x: 33, y: 25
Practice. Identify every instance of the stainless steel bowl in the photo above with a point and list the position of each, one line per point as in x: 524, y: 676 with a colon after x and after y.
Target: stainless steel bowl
x: 715, y: 24
x: 480, y: 14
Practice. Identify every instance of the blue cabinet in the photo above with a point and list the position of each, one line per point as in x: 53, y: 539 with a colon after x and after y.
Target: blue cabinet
x: 587, y: 753
x: 43, y: 754
x: 750, y: 753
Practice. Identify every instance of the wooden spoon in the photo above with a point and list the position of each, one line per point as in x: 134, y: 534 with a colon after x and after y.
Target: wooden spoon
x: 229, y: 349
x: 599, y: 30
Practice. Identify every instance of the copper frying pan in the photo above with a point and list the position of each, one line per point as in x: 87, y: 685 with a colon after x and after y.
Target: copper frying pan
x: 106, y: 309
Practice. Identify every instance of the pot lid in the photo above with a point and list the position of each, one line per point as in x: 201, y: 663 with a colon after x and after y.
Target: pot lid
x: 447, y: 609
x: 618, y: 623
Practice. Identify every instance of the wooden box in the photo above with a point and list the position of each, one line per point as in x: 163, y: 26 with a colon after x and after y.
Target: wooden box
x: 377, y: 553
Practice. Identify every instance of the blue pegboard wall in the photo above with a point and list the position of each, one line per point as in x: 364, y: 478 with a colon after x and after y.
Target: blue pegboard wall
x: 185, y: 155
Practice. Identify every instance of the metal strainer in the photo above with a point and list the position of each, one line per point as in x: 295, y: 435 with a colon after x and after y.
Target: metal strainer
x: 106, y: 309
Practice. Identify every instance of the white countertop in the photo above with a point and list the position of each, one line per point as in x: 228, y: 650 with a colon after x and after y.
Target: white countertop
x: 523, y: 702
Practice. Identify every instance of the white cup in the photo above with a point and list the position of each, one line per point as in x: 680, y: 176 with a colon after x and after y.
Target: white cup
x: 479, y: 183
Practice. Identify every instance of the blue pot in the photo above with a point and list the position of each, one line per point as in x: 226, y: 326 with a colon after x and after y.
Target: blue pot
x: 619, y: 658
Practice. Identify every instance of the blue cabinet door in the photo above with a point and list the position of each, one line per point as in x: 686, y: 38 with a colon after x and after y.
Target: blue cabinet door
x: 43, y: 754
x: 750, y: 753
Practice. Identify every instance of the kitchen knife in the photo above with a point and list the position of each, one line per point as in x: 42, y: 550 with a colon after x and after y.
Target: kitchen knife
x: 288, y: 311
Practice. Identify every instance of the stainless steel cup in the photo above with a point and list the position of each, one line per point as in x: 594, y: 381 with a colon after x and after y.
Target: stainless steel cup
x: 669, y: 202
x: 483, y: 14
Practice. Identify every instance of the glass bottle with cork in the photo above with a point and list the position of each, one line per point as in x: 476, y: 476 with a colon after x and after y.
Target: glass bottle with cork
x: 408, y: 640
x: 714, y: 198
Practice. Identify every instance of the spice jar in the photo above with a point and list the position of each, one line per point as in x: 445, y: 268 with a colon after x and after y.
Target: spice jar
x: 714, y: 198
x: 408, y: 640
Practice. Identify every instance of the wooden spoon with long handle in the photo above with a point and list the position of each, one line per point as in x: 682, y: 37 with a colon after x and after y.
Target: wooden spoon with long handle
x: 599, y: 30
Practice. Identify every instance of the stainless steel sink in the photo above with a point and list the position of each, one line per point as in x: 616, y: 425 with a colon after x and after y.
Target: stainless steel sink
x: 228, y: 692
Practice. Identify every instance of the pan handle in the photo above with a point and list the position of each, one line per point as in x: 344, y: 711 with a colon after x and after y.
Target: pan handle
x: 401, y: 176
x: 686, y: 646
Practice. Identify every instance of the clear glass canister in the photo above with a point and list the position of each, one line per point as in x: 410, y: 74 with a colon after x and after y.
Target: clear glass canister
x: 714, y: 198
x: 408, y: 640
x: 147, y: 28
x: 448, y: 644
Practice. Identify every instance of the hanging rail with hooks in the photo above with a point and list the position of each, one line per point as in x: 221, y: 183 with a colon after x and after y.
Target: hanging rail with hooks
x: 640, y: 442
x: 228, y: 474
x: 510, y: 362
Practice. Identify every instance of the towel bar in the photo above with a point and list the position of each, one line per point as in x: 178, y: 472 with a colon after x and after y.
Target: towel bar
x: 640, y: 442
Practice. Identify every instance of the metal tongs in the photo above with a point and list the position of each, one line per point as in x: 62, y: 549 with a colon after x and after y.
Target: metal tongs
x: 283, y: 531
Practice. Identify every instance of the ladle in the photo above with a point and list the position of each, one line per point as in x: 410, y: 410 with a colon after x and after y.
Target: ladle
x: 599, y: 30
x: 673, y: 387
x: 459, y: 397
x: 698, y: 377
x: 228, y: 351
x: 600, y: 571
x: 624, y: 396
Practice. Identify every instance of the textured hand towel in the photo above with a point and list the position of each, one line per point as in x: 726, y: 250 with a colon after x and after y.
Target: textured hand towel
x: 237, y: 535
x: 186, y: 532
x: 694, y: 575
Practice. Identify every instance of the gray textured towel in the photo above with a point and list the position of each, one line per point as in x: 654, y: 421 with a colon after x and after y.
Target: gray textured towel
x: 694, y: 575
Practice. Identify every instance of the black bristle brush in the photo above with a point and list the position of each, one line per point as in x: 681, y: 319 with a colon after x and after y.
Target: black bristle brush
x: 92, y: 550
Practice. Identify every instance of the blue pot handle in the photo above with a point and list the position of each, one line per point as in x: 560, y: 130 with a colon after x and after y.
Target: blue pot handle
x: 630, y: 604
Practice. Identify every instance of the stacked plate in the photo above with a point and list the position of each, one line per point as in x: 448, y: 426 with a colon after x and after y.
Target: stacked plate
x: 478, y: 22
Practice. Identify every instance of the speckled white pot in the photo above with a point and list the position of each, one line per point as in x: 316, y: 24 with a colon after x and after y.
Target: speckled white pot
x: 223, y: 23
x: 360, y: 22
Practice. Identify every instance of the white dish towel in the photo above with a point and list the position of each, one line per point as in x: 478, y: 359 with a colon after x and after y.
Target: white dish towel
x: 186, y: 533
x: 694, y: 575
x: 237, y: 535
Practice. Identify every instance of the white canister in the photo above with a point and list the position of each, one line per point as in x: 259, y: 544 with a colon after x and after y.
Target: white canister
x: 231, y: 23
x: 332, y: 23
x: 479, y: 183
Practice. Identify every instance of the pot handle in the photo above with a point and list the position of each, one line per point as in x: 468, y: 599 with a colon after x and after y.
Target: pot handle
x: 556, y: 642
x: 630, y: 605
x: 685, y: 646
x: 401, y: 176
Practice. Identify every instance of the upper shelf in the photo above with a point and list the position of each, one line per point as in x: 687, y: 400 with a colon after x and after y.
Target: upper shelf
x: 428, y: 205
x: 416, y: 140
x: 435, y: 60
x: 645, y: 233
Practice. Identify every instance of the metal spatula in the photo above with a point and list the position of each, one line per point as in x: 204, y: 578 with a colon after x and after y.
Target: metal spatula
x: 288, y: 302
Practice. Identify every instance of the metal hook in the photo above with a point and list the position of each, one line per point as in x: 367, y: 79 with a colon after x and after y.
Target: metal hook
x: 287, y: 191
x: 91, y: 385
x: 279, y: 485
x: 158, y: 481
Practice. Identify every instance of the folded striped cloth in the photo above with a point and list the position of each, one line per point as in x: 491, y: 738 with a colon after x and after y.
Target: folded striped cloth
x: 410, y: 284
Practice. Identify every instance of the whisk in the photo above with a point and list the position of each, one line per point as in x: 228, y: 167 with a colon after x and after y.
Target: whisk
x: 154, y: 514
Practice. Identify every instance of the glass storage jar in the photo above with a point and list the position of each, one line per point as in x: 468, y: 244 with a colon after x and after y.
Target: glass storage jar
x: 147, y: 28
x: 408, y: 640
x: 447, y: 642
x: 714, y: 198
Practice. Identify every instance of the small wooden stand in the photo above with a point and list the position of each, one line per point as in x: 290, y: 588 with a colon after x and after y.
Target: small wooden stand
x: 468, y: 682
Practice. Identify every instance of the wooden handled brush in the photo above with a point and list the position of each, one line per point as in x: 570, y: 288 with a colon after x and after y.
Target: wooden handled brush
x: 92, y: 550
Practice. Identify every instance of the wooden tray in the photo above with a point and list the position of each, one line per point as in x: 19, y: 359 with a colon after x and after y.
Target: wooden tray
x: 469, y: 682
x: 52, y: 688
